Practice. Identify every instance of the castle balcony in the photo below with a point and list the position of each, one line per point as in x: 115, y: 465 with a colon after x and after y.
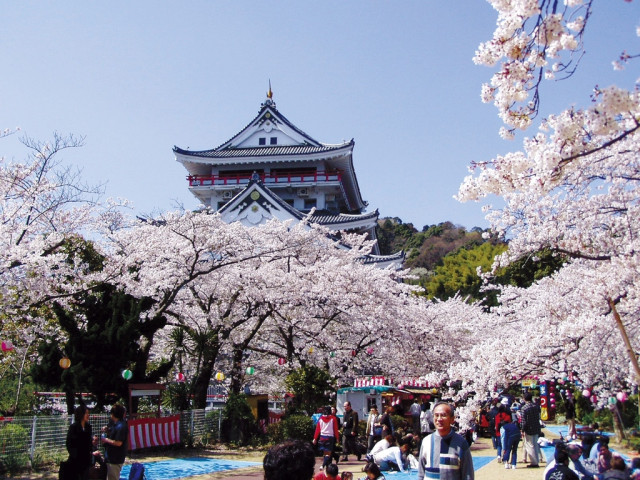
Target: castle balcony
x: 280, y: 178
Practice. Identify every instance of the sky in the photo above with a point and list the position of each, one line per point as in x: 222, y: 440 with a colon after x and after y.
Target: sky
x: 137, y: 78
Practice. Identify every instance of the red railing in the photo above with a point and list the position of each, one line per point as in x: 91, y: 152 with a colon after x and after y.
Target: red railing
x: 266, y: 178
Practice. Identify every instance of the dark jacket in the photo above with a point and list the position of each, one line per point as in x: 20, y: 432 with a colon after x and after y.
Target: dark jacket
x: 350, y: 422
x: 80, y: 447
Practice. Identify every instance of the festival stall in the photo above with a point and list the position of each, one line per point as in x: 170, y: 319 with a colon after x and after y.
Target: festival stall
x: 151, y: 431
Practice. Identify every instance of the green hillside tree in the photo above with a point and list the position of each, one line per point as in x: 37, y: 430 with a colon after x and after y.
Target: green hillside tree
x: 106, y: 334
x: 458, y: 273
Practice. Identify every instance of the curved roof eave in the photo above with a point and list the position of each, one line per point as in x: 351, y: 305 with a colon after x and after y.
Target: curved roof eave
x: 257, y: 153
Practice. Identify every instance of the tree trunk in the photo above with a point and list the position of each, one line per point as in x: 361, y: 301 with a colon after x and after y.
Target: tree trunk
x: 237, y: 375
x: 628, y: 346
x: 618, y: 428
x: 201, y: 383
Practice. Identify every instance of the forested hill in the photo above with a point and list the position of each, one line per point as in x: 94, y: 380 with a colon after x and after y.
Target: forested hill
x: 444, y: 259
x: 425, y: 248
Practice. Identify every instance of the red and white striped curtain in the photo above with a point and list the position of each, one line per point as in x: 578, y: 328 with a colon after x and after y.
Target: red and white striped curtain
x: 154, y: 432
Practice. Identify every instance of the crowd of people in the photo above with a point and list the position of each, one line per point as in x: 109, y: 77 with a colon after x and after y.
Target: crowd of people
x: 509, y: 421
x: 430, y: 444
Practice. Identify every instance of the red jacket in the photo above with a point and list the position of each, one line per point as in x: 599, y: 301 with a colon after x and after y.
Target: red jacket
x: 501, y: 417
x: 328, y: 426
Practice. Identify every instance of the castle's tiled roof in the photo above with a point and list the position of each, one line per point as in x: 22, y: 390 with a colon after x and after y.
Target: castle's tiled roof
x: 263, y: 151
x: 378, y: 259
x: 322, y: 218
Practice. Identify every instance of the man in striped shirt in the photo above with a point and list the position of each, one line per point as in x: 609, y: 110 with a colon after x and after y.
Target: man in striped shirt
x: 445, y: 454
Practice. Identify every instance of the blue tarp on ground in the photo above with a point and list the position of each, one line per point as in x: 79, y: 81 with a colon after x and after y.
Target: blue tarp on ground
x: 185, y: 467
x: 563, y: 430
x: 478, y: 463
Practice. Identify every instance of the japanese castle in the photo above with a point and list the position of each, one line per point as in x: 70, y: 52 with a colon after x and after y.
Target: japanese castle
x: 271, y: 168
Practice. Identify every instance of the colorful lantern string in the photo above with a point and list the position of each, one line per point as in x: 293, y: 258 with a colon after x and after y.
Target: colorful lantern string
x: 127, y: 374
x: 622, y: 396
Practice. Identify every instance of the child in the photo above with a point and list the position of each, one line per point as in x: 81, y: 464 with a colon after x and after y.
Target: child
x: 373, y: 471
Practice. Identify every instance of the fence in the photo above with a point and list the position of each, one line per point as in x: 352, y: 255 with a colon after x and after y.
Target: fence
x: 38, y: 437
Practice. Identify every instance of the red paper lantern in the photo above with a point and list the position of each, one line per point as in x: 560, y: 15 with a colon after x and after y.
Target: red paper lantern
x: 180, y: 377
x: 7, y: 346
x: 281, y: 361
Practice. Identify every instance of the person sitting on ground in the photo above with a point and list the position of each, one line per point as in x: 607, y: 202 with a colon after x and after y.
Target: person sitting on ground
x: 574, y: 451
x: 594, y: 450
x: 604, y: 458
x: 561, y: 470
x: 330, y: 472
x: 618, y: 471
x: 386, y: 442
x: 290, y: 460
x: 373, y: 471
x: 635, y: 469
x: 393, y: 458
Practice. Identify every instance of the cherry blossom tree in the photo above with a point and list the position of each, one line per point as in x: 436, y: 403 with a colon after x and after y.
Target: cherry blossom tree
x: 43, y: 205
x: 573, y: 189
x: 278, y: 291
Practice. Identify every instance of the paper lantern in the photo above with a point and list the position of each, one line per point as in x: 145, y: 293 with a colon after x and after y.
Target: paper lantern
x: 7, y: 346
x: 250, y: 370
x: 622, y: 396
x: 612, y: 400
x: 310, y: 350
x: 64, y: 363
x: 127, y: 374
x: 353, y: 353
x: 219, y: 376
x: 370, y: 351
x: 586, y: 393
x: 434, y: 390
x: 281, y: 361
x: 332, y: 354
x: 180, y: 377
x: 594, y: 399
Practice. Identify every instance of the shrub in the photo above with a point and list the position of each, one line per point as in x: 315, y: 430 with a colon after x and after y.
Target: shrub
x: 14, y: 442
x: 297, y: 427
x: 239, y: 423
x: 274, y: 432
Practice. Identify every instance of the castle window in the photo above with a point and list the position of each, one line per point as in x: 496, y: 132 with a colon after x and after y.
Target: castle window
x: 273, y: 140
x: 309, y: 203
x: 262, y: 141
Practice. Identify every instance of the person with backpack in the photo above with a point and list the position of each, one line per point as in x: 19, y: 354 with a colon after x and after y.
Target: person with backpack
x: 115, y: 442
x: 510, y: 435
x: 502, y: 417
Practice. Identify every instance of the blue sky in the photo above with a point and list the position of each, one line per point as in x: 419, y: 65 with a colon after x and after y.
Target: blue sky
x: 137, y: 78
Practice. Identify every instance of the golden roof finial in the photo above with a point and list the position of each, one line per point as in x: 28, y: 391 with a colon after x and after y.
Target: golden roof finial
x: 270, y: 93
